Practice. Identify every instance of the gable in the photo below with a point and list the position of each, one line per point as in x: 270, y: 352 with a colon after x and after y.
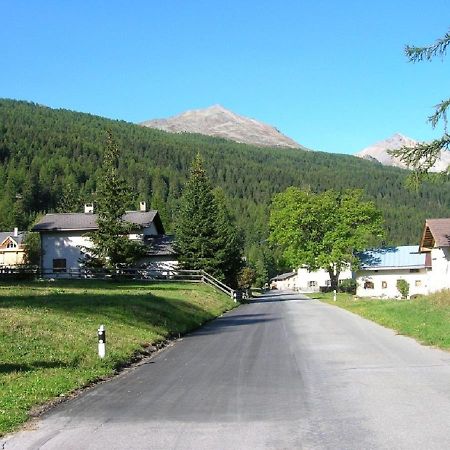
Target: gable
x: 9, y: 242
x: 436, y: 233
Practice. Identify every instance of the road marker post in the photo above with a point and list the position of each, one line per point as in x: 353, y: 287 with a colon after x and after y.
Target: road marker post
x: 101, y: 341
x: 334, y: 295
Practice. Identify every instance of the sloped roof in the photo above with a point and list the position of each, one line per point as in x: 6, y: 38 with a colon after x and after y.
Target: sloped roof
x: 406, y: 256
x: 436, y: 233
x: 19, y: 238
x: 88, y: 221
x: 284, y: 276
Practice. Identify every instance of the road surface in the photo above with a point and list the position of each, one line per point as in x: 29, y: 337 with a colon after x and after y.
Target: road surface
x: 285, y: 372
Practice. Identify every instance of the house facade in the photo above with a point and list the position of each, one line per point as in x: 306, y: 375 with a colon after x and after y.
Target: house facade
x: 314, y: 280
x: 382, y: 268
x: 65, y: 240
x: 285, y: 281
x: 12, y: 249
x: 435, y: 243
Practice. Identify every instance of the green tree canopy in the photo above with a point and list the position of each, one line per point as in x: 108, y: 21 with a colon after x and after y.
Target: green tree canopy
x: 323, y: 230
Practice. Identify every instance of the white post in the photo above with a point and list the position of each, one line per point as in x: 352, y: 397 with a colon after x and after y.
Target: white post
x: 334, y: 295
x: 101, y: 341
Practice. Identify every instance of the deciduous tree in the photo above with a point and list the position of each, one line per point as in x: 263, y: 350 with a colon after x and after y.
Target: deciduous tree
x: 323, y: 230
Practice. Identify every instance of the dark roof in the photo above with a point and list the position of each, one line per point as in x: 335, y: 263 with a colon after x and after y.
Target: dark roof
x: 284, y: 276
x: 19, y: 238
x: 88, y: 221
x: 161, y: 245
x: 406, y: 256
x: 436, y: 233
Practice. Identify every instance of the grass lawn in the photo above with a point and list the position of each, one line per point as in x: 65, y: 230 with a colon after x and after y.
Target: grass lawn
x: 48, y: 333
x: 426, y: 319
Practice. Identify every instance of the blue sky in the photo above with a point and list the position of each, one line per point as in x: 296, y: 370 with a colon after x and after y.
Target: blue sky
x: 330, y: 74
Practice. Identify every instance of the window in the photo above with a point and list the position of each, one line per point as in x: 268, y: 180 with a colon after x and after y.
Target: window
x: 59, y: 265
x: 327, y: 282
x: 11, y: 244
x: 413, y: 270
x: 368, y: 285
x: 312, y: 283
x: 383, y: 284
x: 418, y: 283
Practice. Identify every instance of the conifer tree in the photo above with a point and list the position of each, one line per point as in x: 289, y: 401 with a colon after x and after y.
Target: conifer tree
x: 112, y: 247
x: 205, y: 238
x: 422, y: 157
x: 229, y: 241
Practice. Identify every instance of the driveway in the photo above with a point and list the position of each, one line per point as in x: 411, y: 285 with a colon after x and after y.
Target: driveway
x: 284, y: 372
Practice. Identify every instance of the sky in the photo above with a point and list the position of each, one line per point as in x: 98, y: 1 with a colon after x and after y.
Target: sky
x: 330, y: 74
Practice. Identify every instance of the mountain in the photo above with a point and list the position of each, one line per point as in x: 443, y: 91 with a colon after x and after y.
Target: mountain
x: 220, y: 122
x: 378, y: 152
x: 52, y: 155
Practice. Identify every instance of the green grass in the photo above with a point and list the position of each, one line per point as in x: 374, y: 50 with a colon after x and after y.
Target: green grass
x: 48, y: 333
x: 426, y: 319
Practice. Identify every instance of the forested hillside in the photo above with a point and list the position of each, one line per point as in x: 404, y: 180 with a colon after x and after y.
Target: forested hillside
x: 46, y: 154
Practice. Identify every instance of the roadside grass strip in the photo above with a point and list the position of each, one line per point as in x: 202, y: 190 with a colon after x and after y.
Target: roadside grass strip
x: 427, y: 318
x: 48, y: 333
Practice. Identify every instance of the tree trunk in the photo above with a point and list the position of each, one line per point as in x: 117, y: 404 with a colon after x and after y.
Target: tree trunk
x: 334, y: 278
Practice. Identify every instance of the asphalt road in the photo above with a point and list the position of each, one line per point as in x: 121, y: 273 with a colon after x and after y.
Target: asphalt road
x: 285, y: 372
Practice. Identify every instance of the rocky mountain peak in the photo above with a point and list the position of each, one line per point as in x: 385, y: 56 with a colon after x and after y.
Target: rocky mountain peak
x: 221, y: 122
x: 378, y: 152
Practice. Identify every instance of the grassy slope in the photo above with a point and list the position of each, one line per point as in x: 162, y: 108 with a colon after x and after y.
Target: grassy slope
x: 426, y: 319
x: 48, y: 341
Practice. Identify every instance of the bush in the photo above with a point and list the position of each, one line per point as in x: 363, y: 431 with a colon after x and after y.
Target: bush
x: 348, y: 285
x: 403, y: 288
x: 246, y: 278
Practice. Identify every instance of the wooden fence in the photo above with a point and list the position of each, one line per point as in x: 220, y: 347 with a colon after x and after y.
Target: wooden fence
x: 165, y: 275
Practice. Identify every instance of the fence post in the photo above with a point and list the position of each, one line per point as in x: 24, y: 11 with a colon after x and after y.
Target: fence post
x: 101, y: 341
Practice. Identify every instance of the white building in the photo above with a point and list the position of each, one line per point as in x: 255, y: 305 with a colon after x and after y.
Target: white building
x: 65, y: 240
x: 285, y: 281
x: 426, y: 267
x: 314, y: 280
x: 12, y: 248
x: 382, y: 268
x: 435, y: 243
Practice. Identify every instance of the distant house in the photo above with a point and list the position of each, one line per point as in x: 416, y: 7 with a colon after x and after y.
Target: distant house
x: 285, y: 281
x: 314, y: 280
x: 12, y: 249
x: 435, y: 243
x: 65, y: 240
x: 382, y: 268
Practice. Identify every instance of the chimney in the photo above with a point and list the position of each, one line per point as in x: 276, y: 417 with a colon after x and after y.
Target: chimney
x: 142, y: 206
x: 88, y: 208
x: 16, y: 232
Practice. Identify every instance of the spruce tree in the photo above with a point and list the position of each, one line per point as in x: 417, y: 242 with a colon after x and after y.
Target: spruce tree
x: 195, y: 226
x: 205, y: 237
x: 112, y: 247
x: 229, y: 241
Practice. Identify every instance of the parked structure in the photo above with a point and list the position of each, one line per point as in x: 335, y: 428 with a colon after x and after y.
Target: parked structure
x: 12, y: 249
x: 65, y: 240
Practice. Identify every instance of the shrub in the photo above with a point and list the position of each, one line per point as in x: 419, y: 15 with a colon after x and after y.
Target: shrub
x: 348, y: 285
x: 403, y: 288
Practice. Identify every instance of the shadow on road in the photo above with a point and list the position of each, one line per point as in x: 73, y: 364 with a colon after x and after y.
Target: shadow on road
x: 235, y: 320
x: 280, y: 297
